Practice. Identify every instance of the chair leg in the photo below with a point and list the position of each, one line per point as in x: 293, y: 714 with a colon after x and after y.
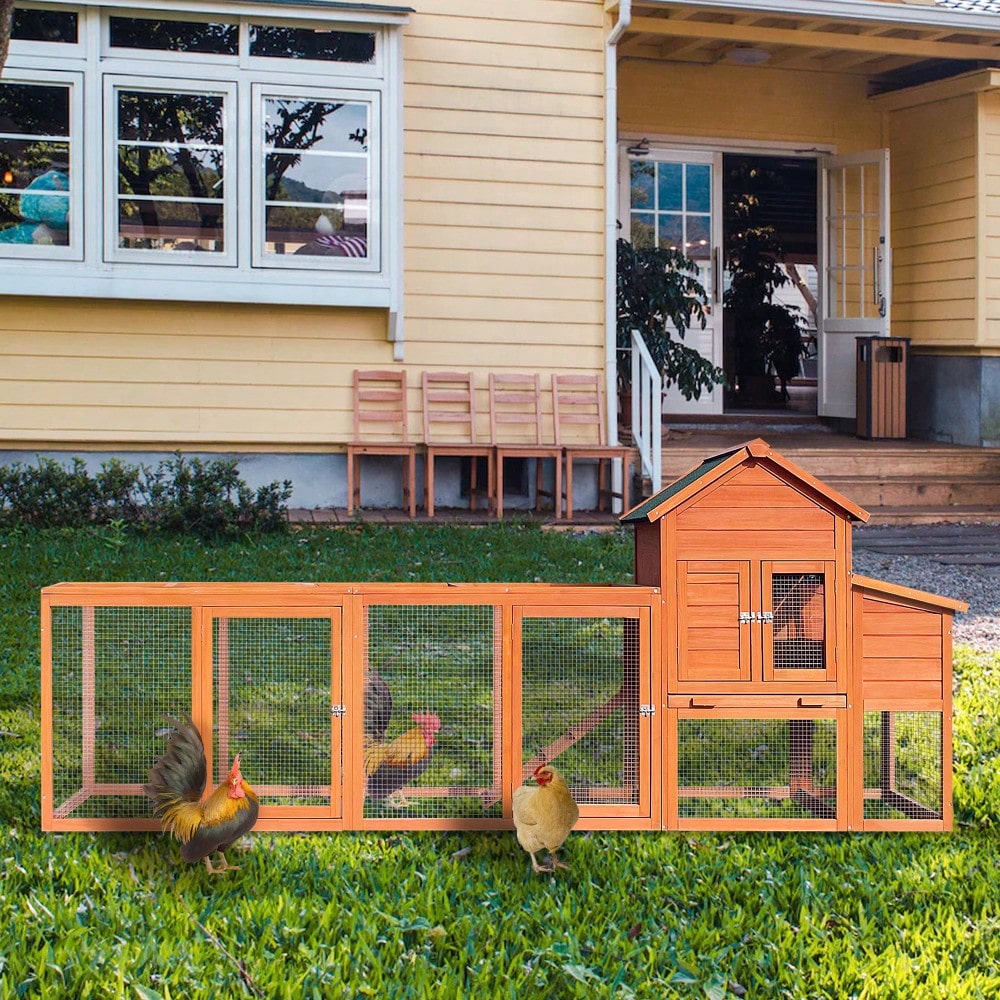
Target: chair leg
x: 410, y: 488
x: 429, y: 483
x: 498, y: 480
x: 569, y: 488
x: 351, y: 476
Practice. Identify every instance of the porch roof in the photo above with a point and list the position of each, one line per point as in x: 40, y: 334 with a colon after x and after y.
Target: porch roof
x: 873, y: 38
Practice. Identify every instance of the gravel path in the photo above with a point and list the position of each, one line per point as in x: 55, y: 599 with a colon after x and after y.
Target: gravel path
x: 958, y: 561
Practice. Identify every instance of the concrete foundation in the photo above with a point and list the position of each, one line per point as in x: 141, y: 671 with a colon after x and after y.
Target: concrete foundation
x: 955, y: 400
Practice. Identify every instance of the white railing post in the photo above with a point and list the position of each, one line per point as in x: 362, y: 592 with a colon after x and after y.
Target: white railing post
x: 647, y: 417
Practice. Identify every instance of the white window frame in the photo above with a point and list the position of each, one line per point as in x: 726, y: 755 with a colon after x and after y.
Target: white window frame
x: 107, y: 271
x: 261, y: 258
x: 171, y: 258
x: 74, y: 250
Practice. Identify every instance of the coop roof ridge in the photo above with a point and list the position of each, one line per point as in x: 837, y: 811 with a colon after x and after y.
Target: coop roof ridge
x: 714, y: 466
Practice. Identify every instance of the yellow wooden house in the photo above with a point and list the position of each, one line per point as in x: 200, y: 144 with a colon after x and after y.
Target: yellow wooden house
x: 213, y: 212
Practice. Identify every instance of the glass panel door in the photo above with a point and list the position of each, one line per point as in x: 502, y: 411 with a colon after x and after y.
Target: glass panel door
x: 856, y: 266
x: 674, y: 201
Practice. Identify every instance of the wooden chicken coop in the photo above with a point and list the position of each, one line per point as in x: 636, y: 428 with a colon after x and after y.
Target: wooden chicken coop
x: 745, y: 681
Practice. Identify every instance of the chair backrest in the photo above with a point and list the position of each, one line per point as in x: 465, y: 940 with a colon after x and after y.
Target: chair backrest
x: 578, y: 410
x: 449, y: 408
x: 515, y: 409
x: 380, y: 406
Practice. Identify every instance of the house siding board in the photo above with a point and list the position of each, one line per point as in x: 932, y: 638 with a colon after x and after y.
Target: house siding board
x: 990, y: 127
x: 766, y: 105
x: 934, y: 201
x: 503, y: 228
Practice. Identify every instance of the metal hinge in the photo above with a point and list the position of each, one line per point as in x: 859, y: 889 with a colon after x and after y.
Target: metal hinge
x: 647, y: 710
x: 746, y: 617
x: 338, y: 710
x: 767, y: 617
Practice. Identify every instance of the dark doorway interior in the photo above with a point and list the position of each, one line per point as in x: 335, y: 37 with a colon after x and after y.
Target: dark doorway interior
x: 783, y: 205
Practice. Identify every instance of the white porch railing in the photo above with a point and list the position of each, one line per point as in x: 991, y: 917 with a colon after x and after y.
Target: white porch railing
x: 647, y: 417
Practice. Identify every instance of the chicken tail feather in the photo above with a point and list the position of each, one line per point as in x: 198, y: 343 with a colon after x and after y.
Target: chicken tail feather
x: 177, y: 780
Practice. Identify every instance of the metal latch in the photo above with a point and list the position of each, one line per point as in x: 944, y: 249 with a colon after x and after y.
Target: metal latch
x: 647, y: 710
x: 338, y: 710
x: 767, y: 617
x: 746, y: 617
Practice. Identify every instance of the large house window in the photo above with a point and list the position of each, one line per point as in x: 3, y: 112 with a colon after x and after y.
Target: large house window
x: 167, y: 154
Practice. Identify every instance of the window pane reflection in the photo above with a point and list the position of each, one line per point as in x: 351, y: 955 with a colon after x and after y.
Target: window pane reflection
x: 34, y: 165
x: 171, y: 170
x: 316, y: 177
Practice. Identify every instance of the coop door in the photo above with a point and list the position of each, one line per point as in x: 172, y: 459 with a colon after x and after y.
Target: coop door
x: 276, y: 700
x: 583, y: 700
x: 797, y: 621
x: 712, y: 601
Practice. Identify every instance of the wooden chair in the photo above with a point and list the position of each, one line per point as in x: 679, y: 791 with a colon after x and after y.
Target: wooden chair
x: 578, y: 416
x: 380, y: 429
x: 450, y: 430
x: 516, y: 432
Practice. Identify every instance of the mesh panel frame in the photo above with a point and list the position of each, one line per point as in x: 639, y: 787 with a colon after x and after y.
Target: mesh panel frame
x: 903, y: 765
x: 271, y: 703
x: 442, y: 660
x: 116, y: 672
x: 799, y: 621
x: 579, y: 704
x: 757, y: 768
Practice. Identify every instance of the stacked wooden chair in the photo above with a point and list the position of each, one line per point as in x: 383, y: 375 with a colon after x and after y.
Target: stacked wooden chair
x: 380, y: 418
x: 449, y: 403
x: 578, y: 417
x: 516, y: 432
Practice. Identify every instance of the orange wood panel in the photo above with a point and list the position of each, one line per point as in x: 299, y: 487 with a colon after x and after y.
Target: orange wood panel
x: 894, y: 647
x: 893, y: 692
x: 46, y: 719
x: 902, y: 670
x: 754, y: 544
x: 744, y: 517
x: 902, y: 622
x: 757, y: 494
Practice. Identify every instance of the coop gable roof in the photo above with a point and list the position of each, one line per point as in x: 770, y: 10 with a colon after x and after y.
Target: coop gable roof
x: 716, y: 466
x: 893, y: 590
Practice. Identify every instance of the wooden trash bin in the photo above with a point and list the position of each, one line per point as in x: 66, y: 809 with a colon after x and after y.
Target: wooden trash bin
x: 881, y: 387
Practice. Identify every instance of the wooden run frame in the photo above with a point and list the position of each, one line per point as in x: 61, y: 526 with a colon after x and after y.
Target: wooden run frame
x: 213, y: 609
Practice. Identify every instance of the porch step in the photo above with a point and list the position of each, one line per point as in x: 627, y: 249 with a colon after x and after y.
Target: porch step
x: 897, y: 482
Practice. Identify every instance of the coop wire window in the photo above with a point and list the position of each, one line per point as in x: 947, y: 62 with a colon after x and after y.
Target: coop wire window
x: 158, y: 153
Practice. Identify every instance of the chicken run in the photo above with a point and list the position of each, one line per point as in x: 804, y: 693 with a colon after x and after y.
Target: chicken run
x: 746, y: 680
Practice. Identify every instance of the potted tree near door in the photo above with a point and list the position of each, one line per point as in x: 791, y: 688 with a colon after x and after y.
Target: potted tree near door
x: 658, y: 294
x: 766, y: 335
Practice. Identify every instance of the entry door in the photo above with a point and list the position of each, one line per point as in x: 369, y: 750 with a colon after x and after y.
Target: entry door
x: 856, y: 267
x: 276, y: 700
x: 675, y: 200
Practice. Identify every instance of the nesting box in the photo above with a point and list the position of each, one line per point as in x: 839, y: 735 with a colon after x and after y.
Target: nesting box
x: 796, y: 695
x: 746, y: 680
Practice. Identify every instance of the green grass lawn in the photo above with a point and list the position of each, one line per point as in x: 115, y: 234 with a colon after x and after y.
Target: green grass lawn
x: 461, y: 914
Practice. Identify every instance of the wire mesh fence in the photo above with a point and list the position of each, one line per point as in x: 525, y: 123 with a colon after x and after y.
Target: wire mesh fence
x: 799, y: 621
x: 579, y: 704
x: 116, y: 673
x: 432, y: 711
x: 757, y: 768
x: 903, y: 765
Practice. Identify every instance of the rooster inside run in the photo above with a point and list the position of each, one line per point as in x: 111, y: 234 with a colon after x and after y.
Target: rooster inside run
x: 391, y: 766
x: 176, y: 784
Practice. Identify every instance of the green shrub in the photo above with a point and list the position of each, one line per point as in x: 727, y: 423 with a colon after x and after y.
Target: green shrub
x: 184, y: 495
